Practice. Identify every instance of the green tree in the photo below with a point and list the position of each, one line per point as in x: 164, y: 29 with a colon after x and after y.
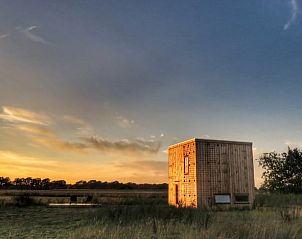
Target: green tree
x: 282, y: 172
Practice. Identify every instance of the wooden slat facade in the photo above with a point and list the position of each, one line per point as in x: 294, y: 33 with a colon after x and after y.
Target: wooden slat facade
x: 215, y: 167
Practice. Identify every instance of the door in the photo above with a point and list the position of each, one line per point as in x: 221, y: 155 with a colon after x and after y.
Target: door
x: 176, y: 194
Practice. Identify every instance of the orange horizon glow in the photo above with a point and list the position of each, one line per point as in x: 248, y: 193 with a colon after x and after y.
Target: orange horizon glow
x: 37, y: 149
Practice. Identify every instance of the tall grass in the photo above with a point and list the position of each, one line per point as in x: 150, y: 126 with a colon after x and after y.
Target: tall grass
x: 274, y: 217
x: 164, y: 222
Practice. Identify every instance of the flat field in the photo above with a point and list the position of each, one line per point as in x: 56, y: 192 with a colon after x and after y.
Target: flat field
x: 275, y: 216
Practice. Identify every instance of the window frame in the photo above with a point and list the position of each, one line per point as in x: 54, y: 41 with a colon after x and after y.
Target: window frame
x: 186, y: 165
x: 222, y: 194
x: 241, y: 195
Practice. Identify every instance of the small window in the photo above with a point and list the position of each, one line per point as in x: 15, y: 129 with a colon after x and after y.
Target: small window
x: 186, y: 165
x: 222, y: 198
x: 241, y: 198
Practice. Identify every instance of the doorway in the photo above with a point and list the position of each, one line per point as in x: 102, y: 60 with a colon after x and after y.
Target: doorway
x: 176, y: 194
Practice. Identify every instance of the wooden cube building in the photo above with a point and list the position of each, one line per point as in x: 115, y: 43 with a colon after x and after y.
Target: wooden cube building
x: 211, y: 174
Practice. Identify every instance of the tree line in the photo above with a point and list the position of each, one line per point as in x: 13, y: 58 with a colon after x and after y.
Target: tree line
x: 30, y: 183
x: 282, y: 172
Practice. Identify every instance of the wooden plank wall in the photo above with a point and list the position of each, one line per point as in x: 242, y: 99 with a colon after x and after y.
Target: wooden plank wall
x: 224, y: 167
x: 187, y: 184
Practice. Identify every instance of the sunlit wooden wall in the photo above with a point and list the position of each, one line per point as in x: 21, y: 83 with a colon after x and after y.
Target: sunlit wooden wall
x: 215, y: 167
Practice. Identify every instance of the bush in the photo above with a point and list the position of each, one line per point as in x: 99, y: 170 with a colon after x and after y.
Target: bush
x: 277, y: 200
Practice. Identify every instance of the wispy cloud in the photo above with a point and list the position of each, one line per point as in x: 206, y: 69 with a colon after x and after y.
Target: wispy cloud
x: 29, y: 33
x: 294, y: 13
x: 126, y: 145
x: 40, y: 129
x: 35, y: 130
x: 86, y: 145
x: 76, y: 121
x: 83, y: 127
x: 36, y: 126
x: 57, y: 143
x: 123, y: 122
x: 2, y: 36
x: 20, y: 115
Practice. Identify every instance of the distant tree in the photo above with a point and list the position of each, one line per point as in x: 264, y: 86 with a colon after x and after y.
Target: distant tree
x: 58, y: 184
x: 81, y: 184
x: 36, y: 183
x: 45, y: 183
x: 19, y: 183
x: 282, y: 172
x: 5, y: 182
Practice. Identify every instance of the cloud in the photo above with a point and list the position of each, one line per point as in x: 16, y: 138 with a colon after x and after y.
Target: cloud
x: 294, y: 13
x: 83, y: 127
x: 28, y: 32
x: 126, y: 145
x: 19, y: 115
x: 60, y: 144
x: 124, y: 122
x: 32, y: 28
x: 75, y: 120
x: 99, y: 144
x: 4, y: 36
x: 48, y: 138
x: 36, y: 130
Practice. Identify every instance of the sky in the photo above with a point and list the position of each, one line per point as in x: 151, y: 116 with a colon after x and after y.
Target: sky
x: 100, y: 89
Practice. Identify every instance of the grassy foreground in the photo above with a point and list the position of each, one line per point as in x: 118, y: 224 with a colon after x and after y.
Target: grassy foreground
x: 155, y: 220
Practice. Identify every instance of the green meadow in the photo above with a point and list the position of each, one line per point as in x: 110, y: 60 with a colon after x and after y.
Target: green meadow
x: 274, y: 216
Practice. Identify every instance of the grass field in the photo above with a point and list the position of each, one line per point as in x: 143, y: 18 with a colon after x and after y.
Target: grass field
x: 275, y: 216
x: 108, y: 197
